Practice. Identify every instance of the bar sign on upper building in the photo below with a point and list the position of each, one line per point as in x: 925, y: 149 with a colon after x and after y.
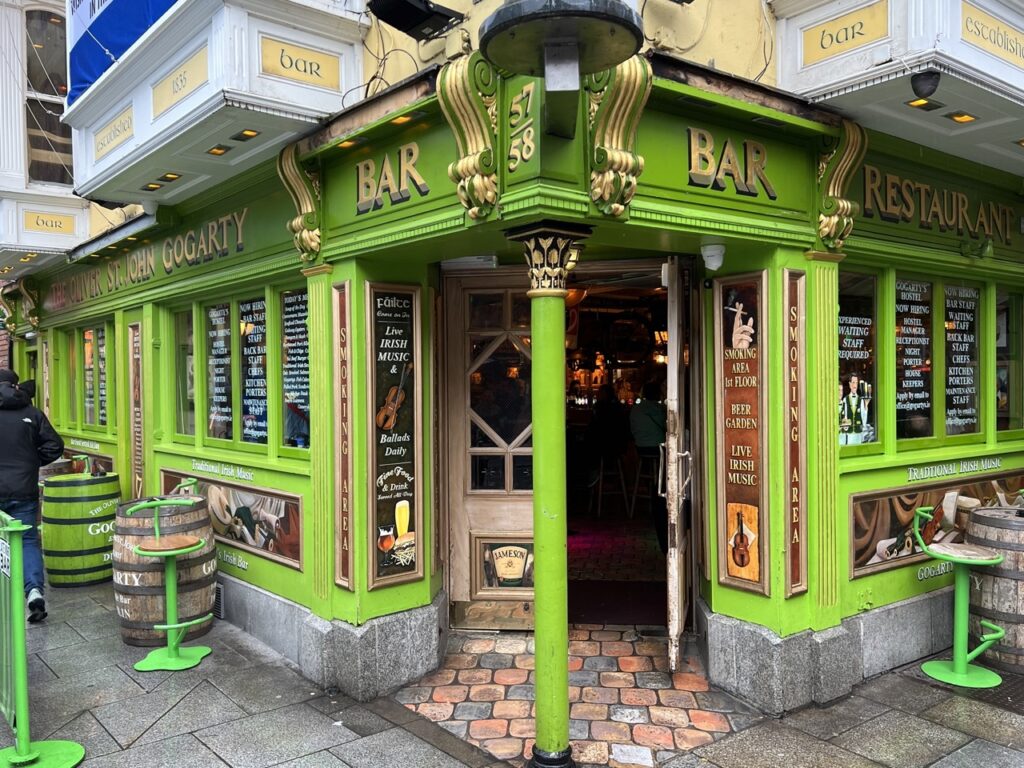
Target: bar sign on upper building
x: 846, y: 33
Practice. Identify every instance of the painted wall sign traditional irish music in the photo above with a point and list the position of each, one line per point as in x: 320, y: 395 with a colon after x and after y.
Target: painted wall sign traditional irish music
x: 741, y: 407
x: 138, y: 477
x: 265, y: 522
x: 882, y: 522
x: 396, y: 516
x: 796, y: 431
x: 343, y: 437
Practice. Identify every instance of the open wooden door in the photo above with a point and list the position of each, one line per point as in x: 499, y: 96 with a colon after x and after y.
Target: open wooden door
x: 676, y: 460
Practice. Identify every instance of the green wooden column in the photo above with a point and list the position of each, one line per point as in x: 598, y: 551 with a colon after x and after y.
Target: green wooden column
x: 321, y: 435
x: 551, y: 252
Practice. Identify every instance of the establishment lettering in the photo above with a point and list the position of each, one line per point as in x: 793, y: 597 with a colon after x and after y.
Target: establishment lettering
x: 709, y: 171
x: 894, y: 198
x: 371, y: 186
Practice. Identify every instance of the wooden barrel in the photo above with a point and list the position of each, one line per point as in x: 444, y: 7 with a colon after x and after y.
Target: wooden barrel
x: 997, y: 593
x: 139, y: 593
x: 78, y: 528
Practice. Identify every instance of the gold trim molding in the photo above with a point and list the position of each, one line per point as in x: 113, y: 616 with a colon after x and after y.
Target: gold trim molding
x: 467, y: 89
x: 303, y: 188
x: 836, y: 167
x: 8, y: 311
x: 616, y: 99
x: 29, y: 301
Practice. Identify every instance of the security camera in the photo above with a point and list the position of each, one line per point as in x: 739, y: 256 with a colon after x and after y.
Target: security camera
x: 924, y: 84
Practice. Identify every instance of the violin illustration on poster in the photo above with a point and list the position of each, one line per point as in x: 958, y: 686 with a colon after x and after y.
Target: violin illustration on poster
x: 387, y: 414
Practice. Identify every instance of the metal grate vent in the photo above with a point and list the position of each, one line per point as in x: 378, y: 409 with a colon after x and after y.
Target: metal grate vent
x: 218, y: 601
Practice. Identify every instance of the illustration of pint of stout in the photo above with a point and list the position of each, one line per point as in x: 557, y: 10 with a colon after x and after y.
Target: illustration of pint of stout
x: 512, y: 565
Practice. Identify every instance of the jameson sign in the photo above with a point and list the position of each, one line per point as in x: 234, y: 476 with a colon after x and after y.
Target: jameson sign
x: 397, y: 545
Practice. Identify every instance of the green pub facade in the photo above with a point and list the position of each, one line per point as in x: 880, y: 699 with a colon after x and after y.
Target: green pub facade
x: 348, y: 351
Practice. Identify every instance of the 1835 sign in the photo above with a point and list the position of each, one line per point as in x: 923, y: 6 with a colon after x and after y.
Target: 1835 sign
x: 396, y: 513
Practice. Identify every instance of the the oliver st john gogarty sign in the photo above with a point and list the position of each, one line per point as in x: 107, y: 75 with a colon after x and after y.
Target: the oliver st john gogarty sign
x: 216, y: 238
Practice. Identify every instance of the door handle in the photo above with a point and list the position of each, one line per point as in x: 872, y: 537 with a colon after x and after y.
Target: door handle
x: 689, y: 471
x: 661, y: 470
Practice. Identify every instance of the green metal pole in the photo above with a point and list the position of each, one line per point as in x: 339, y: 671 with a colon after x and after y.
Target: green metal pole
x: 174, y: 635
x: 20, y: 661
x: 961, y: 608
x: 549, y: 526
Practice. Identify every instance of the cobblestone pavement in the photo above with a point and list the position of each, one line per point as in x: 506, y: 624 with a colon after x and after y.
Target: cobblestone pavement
x: 626, y: 709
x: 244, y: 706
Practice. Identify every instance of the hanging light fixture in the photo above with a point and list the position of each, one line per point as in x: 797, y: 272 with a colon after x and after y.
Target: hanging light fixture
x: 561, y: 40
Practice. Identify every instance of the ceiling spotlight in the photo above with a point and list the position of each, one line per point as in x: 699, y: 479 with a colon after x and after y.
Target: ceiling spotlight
x: 961, y: 117
x: 924, y: 84
x: 218, y: 150
x: 925, y: 105
x: 245, y: 135
x: 151, y: 187
x: 169, y: 177
x: 1019, y: 143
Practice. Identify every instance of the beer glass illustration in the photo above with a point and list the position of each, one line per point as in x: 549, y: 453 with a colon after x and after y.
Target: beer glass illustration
x: 402, y: 517
x: 386, y: 542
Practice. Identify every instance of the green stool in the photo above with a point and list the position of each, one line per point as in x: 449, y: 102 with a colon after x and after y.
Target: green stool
x: 959, y: 670
x: 174, y: 656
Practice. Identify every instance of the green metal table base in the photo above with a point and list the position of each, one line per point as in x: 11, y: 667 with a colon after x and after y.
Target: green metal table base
x: 173, y: 657
x: 959, y: 671
x: 182, y: 657
x: 45, y: 754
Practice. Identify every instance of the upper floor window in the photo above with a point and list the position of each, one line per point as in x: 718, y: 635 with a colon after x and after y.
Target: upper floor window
x: 49, y: 140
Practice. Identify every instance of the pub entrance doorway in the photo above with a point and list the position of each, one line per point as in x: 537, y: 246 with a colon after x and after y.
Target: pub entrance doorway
x: 629, y: 414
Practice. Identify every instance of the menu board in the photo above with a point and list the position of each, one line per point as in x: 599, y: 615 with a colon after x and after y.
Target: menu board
x: 396, y: 507
x: 252, y: 320
x: 89, y: 375
x: 913, y: 359
x: 856, y: 358
x: 101, y: 373
x: 741, y: 388
x: 962, y: 359
x: 295, y: 368
x: 218, y: 370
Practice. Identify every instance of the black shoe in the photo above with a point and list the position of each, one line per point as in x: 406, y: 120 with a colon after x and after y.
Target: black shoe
x: 36, y: 606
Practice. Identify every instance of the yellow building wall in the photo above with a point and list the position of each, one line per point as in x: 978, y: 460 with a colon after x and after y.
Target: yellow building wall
x: 733, y: 36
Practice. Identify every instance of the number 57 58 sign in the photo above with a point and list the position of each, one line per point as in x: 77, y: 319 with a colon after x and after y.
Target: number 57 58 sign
x: 520, y: 121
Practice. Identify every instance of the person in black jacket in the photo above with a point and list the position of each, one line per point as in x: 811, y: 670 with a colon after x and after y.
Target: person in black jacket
x: 29, y: 443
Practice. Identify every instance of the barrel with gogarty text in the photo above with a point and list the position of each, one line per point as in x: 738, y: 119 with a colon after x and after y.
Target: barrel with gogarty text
x: 139, y: 593
x: 78, y: 528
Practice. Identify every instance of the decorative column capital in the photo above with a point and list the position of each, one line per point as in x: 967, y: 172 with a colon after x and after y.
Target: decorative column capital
x: 551, y: 250
x: 836, y: 167
x: 305, y: 194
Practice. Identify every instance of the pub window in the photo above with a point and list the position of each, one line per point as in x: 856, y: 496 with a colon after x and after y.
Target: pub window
x: 48, y: 140
x: 1009, y: 360
x: 94, y: 376
x: 962, y: 305
x: 218, y: 371
x: 252, y: 319
x: 295, y: 368
x: 185, y: 369
x: 498, y: 384
x: 857, y: 358
x: 73, y: 379
x: 913, y: 358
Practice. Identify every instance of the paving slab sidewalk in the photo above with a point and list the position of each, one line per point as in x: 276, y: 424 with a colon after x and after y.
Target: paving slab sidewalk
x: 245, y: 706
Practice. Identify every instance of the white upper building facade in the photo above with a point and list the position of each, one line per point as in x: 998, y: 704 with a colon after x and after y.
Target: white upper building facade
x: 860, y: 57
x: 200, y: 90
x: 40, y: 216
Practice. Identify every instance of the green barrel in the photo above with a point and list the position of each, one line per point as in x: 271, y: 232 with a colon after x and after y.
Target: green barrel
x: 78, y: 528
